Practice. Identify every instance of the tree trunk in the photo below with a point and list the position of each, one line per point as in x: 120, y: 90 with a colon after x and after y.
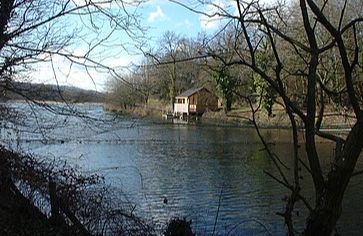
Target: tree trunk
x: 228, y: 105
x: 323, y: 219
x: 172, y: 95
x: 173, y: 87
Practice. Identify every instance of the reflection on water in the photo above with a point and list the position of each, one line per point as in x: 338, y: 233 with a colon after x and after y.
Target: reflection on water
x: 202, y: 170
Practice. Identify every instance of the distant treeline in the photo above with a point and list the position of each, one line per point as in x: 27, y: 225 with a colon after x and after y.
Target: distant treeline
x: 48, y: 92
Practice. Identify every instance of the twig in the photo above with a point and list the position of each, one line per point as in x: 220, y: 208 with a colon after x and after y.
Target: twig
x: 219, y: 205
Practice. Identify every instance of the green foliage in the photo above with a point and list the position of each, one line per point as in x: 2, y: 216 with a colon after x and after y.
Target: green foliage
x: 266, y: 95
x: 226, y: 83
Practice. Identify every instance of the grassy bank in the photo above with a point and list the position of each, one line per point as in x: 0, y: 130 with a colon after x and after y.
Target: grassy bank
x: 279, y: 119
x: 154, y: 108
x: 240, y: 116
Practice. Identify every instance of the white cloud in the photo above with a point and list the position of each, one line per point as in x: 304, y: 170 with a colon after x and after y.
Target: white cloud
x: 65, y: 74
x: 209, y: 23
x: 76, y: 75
x: 157, y: 14
x: 214, y: 8
x: 121, y: 62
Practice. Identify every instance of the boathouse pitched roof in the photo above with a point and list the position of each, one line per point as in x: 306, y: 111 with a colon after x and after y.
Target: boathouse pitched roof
x: 190, y: 92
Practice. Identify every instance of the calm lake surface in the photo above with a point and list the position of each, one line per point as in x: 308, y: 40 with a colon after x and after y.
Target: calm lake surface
x: 207, y: 173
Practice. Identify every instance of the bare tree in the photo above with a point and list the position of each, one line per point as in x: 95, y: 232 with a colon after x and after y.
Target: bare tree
x: 60, y: 37
x: 336, y: 35
x: 174, y: 66
x: 35, y: 32
x: 170, y: 52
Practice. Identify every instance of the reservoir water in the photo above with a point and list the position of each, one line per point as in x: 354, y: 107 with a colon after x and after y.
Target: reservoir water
x: 210, y: 174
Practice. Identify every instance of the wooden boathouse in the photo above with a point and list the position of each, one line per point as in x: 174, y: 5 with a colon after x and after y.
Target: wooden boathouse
x: 195, y: 102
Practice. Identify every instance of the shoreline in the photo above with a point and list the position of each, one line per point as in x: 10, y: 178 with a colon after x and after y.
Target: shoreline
x: 334, y: 122
x: 220, y: 119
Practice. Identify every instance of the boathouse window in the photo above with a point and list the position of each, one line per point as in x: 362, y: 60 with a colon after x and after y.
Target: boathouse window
x: 181, y: 100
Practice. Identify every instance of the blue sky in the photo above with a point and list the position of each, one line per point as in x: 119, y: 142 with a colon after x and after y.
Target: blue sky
x: 166, y: 16
x: 162, y: 15
x: 157, y: 16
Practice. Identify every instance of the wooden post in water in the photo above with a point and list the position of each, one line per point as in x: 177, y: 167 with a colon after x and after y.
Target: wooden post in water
x: 54, y: 203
